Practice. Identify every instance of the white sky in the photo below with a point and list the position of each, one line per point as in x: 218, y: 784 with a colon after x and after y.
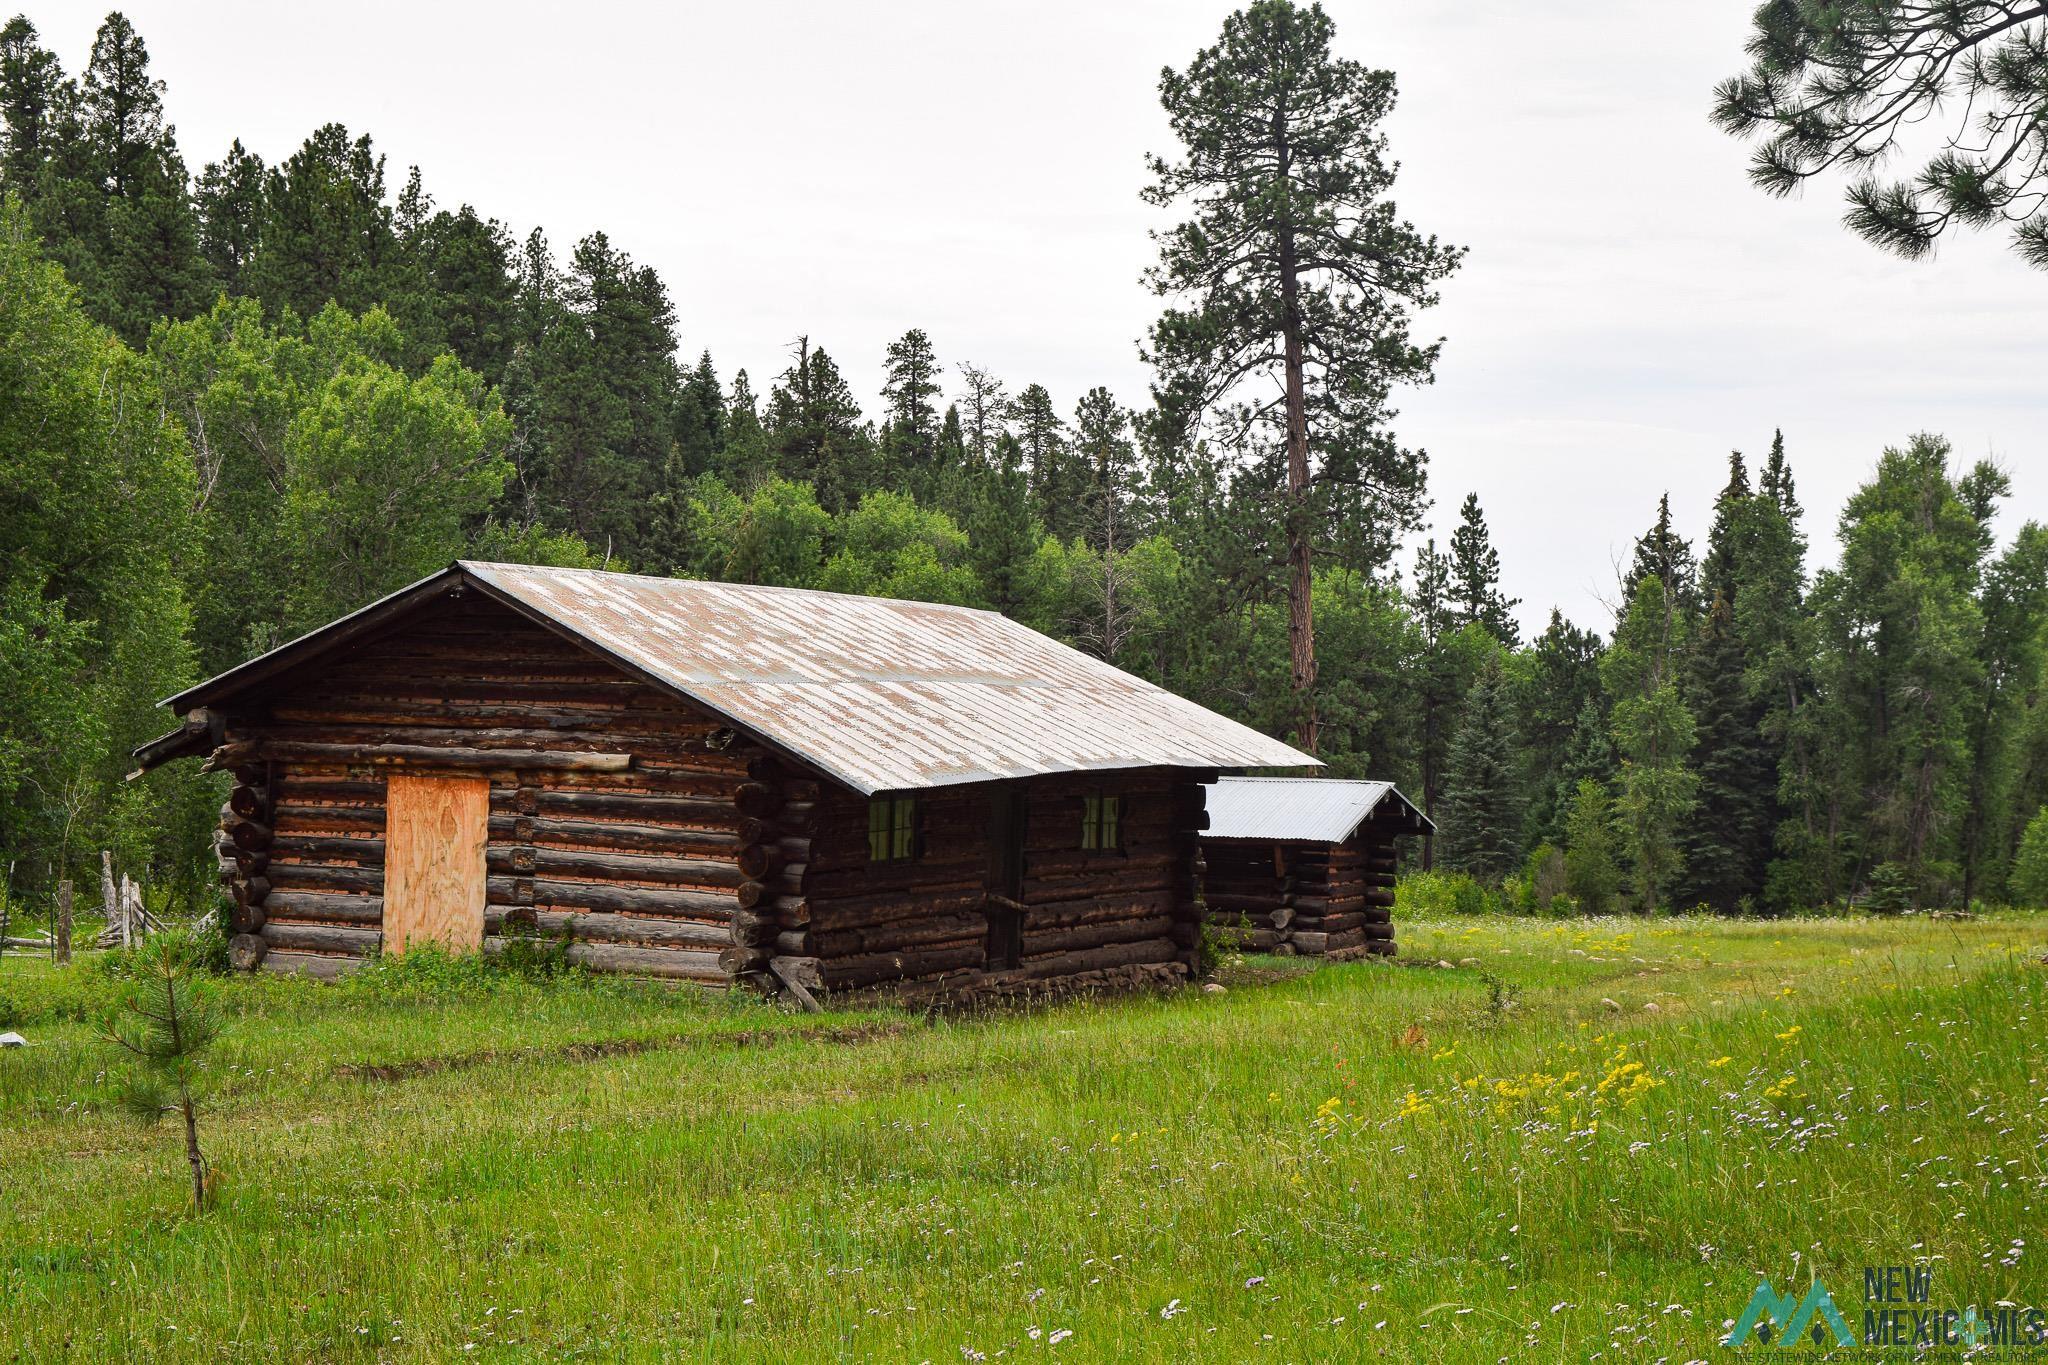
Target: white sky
x: 1631, y: 309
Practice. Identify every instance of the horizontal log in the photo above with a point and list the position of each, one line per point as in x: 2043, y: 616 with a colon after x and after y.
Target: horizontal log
x: 705, y: 872
x: 316, y: 965
x: 251, y: 836
x: 1095, y: 959
x: 600, y: 927
x: 684, y: 964
x: 250, y: 802
x: 323, y: 938
x: 1040, y: 941
x: 1091, y: 910
x: 613, y: 836
x: 324, y: 877
x: 1094, y: 861
x: 715, y: 905
x: 651, y: 808
x: 853, y: 912
x: 896, y: 935
x: 307, y: 819
x: 433, y: 756
x: 851, y: 973
x: 339, y: 909
x: 315, y: 848
x: 1130, y: 881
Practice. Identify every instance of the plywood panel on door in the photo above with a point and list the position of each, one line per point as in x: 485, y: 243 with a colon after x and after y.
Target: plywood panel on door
x: 436, y: 830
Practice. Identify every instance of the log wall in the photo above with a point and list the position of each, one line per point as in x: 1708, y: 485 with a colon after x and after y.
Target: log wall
x: 1090, y: 919
x: 1288, y: 898
x: 637, y: 862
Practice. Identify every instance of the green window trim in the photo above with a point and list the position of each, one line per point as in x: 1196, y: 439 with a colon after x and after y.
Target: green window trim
x: 1102, y: 823
x: 892, y: 829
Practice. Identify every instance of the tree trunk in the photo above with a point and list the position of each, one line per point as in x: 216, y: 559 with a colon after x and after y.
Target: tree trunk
x: 192, y: 1153
x: 1300, y: 622
x: 60, y: 940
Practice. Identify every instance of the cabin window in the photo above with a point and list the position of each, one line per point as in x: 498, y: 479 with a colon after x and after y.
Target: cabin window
x: 892, y: 829
x: 1102, y: 821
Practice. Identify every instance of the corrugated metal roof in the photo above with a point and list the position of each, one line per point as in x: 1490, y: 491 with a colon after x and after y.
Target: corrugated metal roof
x: 1318, y: 810
x: 880, y: 694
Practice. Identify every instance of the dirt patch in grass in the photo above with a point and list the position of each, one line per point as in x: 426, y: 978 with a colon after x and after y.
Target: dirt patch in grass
x: 600, y: 1049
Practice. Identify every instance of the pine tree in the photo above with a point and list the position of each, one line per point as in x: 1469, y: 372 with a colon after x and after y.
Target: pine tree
x: 747, y: 460
x: 229, y: 200
x: 1481, y: 829
x: 1653, y: 735
x: 1299, y: 275
x: 910, y: 431
x: 1591, y: 874
x: 1663, y: 553
x: 1475, y: 577
x: 1727, y: 841
x: 327, y: 233
x: 1057, y: 479
x: 818, y: 432
x: 700, y: 418
x: 1558, y: 679
x: 1002, y: 534
x: 2030, y: 867
x: 32, y: 92
x: 1778, y: 645
x: 984, y: 414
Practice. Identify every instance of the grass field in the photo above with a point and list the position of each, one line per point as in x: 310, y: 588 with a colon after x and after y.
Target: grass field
x: 1575, y: 1141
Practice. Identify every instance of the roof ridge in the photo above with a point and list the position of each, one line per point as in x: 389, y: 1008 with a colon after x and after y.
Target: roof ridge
x: 722, y: 584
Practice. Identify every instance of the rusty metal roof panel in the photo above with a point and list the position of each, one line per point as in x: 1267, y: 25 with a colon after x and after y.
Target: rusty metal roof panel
x: 1316, y: 810
x: 884, y: 695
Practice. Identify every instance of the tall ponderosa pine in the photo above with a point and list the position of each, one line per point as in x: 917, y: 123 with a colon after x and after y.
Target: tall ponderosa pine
x: 1481, y: 825
x: 910, y: 422
x: 1298, y: 275
x: 229, y: 200
x: 817, y: 431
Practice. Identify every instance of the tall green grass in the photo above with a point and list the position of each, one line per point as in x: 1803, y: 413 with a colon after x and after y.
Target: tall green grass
x: 1353, y: 1161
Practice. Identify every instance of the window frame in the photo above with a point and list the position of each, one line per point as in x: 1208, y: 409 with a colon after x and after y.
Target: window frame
x: 1102, y: 821
x: 895, y: 829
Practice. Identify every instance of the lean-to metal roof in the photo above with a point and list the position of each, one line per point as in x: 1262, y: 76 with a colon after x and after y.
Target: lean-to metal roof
x: 1316, y: 810
x: 881, y: 694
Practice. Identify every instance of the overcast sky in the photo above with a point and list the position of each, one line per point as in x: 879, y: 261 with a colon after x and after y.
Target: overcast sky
x: 1630, y: 311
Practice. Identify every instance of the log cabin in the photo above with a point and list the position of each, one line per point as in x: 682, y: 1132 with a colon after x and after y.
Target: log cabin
x: 799, y: 791
x: 1303, y: 864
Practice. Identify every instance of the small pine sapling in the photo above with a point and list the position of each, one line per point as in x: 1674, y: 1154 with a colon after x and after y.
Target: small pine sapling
x: 165, y: 1024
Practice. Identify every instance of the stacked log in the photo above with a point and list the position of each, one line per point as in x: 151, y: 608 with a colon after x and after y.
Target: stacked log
x: 614, y: 821
x: 1090, y: 911
x: 845, y: 922
x: 1344, y: 896
x: 242, y: 848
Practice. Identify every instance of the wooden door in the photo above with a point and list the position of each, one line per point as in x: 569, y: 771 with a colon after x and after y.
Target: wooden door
x: 435, y: 831
x: 1005, y: 875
